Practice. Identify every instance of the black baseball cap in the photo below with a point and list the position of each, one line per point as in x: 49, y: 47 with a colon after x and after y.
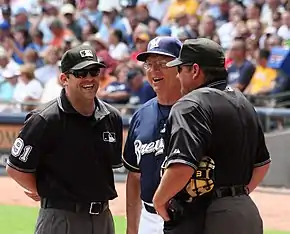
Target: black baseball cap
x: 202, y: 51
x: 80, y: 57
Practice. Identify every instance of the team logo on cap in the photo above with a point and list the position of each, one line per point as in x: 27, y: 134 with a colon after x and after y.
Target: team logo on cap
x: 86, y: 53
x: 154, y: 43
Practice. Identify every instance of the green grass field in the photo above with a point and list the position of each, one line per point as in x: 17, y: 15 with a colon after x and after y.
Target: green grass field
x: 21, y: 220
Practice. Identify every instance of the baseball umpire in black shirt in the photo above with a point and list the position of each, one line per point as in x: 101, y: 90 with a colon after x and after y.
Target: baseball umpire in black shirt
x: 215, y: 149
x: 66, y: 150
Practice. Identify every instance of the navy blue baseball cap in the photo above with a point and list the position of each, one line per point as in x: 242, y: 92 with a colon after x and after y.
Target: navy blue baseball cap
x: 162, y: 45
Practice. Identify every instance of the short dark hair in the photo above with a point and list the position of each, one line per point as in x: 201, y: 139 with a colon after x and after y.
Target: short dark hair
x: 212, y: 74
x: 264, y: 54
x: 118, y: 33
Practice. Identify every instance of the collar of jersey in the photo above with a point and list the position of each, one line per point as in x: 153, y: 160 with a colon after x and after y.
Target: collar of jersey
x: 64, y: 104
x: 219, y: 84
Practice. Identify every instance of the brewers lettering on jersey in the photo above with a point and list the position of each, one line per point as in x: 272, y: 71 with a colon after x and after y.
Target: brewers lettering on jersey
x: 144, y: 148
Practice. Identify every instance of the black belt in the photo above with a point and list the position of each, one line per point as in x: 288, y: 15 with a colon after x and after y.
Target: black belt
x: 230, y: 191
x: 150, y: 209
x: 93, y: 208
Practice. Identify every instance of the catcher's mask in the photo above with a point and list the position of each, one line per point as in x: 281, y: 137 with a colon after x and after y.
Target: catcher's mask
x: 201, y: 182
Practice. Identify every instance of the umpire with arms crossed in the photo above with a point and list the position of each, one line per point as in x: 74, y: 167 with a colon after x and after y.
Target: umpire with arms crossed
x: 215, y: 148
x: 66, y: 150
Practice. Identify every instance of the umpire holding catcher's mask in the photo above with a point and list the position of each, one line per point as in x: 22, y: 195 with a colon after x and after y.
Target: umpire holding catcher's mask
x: 215, y: 149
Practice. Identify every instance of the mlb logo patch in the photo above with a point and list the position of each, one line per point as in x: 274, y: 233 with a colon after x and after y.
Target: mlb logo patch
x: 86, y: 53
x: 109, y: 137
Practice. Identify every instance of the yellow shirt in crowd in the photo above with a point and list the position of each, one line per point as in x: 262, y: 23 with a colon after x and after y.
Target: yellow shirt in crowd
x: 261, y: 80
x: 177, y: 6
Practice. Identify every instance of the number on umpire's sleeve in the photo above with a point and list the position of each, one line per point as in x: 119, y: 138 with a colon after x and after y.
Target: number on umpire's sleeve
x: 19, y: 147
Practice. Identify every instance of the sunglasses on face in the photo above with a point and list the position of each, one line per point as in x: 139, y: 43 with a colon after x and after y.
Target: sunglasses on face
x: 83, y: 73
x: 179, y: 68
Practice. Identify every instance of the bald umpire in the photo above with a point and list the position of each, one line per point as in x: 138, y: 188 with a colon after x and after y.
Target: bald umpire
x: 215, y: 148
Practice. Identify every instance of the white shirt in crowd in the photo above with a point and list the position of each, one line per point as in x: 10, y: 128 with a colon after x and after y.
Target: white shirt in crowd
x: 33, y: 90
x: 52, y: 90
x: 119, y: 52
x: 284, y: 32
x: 47, y: 72
x: 157, y: 9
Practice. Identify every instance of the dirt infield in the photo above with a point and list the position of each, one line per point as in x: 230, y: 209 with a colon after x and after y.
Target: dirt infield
x: 273, y: 205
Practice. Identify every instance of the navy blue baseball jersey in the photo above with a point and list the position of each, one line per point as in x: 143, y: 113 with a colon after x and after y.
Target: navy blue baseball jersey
x: 143, y: 151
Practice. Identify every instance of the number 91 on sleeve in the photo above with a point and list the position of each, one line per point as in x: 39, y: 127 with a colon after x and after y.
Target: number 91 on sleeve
x: 19, y: 149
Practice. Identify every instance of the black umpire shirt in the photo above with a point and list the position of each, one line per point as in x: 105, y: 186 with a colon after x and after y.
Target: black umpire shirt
x: 72, y: 155
x: 218, y: 122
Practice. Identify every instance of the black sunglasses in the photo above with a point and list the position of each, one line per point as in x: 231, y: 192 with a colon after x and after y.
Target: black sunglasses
x: 83, y: 73
x: 179, y: 68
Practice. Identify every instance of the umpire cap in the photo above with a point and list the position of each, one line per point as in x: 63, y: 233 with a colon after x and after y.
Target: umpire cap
x: 202, y: 51
x: 80, y: 57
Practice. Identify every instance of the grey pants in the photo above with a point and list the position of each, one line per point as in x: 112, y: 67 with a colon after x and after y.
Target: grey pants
x: 54, y: 221
x: 228, y: 215
x: 233, y: 215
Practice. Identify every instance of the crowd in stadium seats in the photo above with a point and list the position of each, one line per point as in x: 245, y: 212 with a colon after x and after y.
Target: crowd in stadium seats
x: 34, y: 34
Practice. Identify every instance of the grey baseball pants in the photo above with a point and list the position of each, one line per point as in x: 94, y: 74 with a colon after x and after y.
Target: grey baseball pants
x: 233, y: 215
x: 55, y: 221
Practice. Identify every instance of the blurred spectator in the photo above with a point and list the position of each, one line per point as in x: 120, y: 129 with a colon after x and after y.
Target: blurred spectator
x: 143, y: 14
x: 253, y: 11
x: 227, y: 31
x: 269, y: 9
x: 48, y: 14
x: 252, y: 49
x: 7, y: 86
x: 52, y: 88
x: 68, y: 11
x: 106, y: 74
x: 141, y: 43
x: 6, y: 13
x: 27, y: 89
x: 90, y: 14
x: 241, y: 70
x: 207, y: 28
x: 273, y: 41
x: 59, y: 33
x: 21, y: 18
x: 4, y: 30
x: 31, y: 56
x: 177, y: 6
x: 50, y: 69
x: 263, y: 77
x: 157, y: 8
x: 110, y: 20
x: 163, y: 31
x: 97, y: 43
x: 37, y: 41
x: 152, y: 27
x: 6, y: 63
x: 129, y: 23
x: 18, y: 44
x: 118, y: 49
x: 87, y: 31
x: 284, y: 30
x: 140, y: 89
